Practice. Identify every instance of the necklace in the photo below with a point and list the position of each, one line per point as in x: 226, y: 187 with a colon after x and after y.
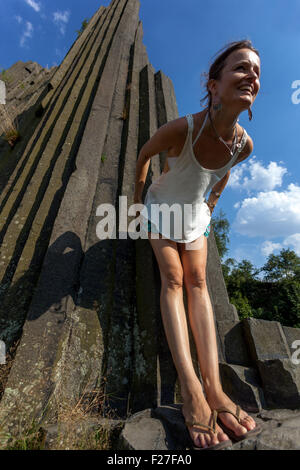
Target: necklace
x: 234, y: 142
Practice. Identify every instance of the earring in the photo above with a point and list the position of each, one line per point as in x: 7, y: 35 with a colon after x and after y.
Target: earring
x: 250, y: 113
x: 217, y: 106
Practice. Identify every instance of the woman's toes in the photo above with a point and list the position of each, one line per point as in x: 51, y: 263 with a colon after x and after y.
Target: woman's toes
x: 202, y: 440
x: 240, y: 429
x: 237, y: 428
x: 208, y: 440
x: 222, y: 437
x: 248, y: 422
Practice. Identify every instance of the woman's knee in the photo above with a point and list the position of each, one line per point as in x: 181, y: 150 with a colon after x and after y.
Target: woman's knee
x: 172, y: 278
x: 195, y: 278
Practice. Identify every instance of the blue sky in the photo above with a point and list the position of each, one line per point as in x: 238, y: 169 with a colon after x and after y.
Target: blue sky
x: 262, y: 198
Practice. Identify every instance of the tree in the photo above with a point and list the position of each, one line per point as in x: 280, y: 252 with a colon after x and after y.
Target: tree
x: 221, y: 229
x: 227, y: 267
x: 242, y: 305
x: 286, y: 265
x: 276, y: 296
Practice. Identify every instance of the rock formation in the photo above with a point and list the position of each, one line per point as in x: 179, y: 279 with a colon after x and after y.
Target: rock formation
x: 86, y: 311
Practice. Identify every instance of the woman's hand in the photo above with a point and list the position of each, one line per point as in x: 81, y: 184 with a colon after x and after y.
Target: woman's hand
x: 210, y: 206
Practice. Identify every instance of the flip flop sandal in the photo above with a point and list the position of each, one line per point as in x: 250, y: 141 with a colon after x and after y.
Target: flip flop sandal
x: 254, y: 432
x: 220, y: 445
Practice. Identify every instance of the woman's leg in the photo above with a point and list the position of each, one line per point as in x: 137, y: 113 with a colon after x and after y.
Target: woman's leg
x: 195, y: 406
x: 201, y: 317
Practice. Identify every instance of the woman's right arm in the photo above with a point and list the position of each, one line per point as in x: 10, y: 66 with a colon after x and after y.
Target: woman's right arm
x: 167, y: 136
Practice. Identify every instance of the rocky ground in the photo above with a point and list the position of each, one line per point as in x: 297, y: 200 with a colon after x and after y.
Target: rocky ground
x: 164, y: 429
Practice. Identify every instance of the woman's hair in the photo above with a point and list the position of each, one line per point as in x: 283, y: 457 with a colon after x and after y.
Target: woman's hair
x: 217, y: 66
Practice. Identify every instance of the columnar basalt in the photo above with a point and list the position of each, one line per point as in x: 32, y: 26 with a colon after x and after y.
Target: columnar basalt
x: 87, y: 311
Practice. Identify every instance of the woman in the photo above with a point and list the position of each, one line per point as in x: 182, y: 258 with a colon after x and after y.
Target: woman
x: 206, y: 145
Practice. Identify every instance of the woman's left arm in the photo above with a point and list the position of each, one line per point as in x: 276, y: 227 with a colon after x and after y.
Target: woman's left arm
x: 220, y: 185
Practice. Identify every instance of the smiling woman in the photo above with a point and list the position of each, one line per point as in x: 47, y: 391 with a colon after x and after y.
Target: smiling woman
x: 206, y: 146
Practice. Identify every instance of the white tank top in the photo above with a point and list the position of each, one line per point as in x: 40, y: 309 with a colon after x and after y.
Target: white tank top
x: 184, y: 187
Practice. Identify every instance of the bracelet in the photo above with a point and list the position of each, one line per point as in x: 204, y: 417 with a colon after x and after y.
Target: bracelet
x: 217, y: 194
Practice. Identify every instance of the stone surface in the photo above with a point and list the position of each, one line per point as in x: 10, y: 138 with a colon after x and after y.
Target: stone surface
x: 281, y: 383
x: 87, y: 310
x: 270, y: 352
x: 293, y: 341
x: 72, y: 332
x: 233, y: 343
x: 265, y: 339
x: 2, y: 92
x: 242, y: 385
x: 145, y: 432
x: 163, y: 428
x: 65, y: 435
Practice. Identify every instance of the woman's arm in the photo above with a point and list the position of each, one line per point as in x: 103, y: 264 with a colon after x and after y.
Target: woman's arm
x: 164, y: 139
x: 217, y: 191
x: 220, y: 185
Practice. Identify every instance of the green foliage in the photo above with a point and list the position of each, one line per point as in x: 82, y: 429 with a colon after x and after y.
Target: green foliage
x: 242, y: 305
x: 83, y: 26
x: 286, y: 265
x: 4, y: 76
x: 271, y: 292
x: 32, y: 439
x: 221, y: 228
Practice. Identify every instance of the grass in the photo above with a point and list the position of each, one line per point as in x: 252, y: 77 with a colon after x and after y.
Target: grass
x: 9, y: 125
x: 5, y: 368
x: 32, y: 439
x: 84, y: 24
x: 4, y: 76
x: 72, y: 424
x: 32, y: 436
x: 73, y: 430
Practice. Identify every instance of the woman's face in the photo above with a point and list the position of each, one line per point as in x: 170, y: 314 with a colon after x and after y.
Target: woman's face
x: 239, y: 81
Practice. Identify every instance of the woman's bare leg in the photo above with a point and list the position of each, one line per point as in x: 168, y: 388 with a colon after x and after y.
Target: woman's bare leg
x: 173, y: 314
x: 201, y: 317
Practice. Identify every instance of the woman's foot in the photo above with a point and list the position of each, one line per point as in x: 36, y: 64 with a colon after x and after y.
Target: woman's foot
x: 219, y: 400
x: 196, y: 408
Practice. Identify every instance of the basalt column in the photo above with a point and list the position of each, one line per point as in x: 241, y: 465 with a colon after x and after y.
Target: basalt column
x: 85, y: 310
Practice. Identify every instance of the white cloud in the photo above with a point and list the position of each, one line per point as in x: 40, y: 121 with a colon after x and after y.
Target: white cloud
x: 19, y: 19
x: 258, y: 178
x: 268, y: 247
x: 35, y: 5
x: 270, y: 214
x: 61, y: 19
x: 27, y: 33
x: 293, y: 241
